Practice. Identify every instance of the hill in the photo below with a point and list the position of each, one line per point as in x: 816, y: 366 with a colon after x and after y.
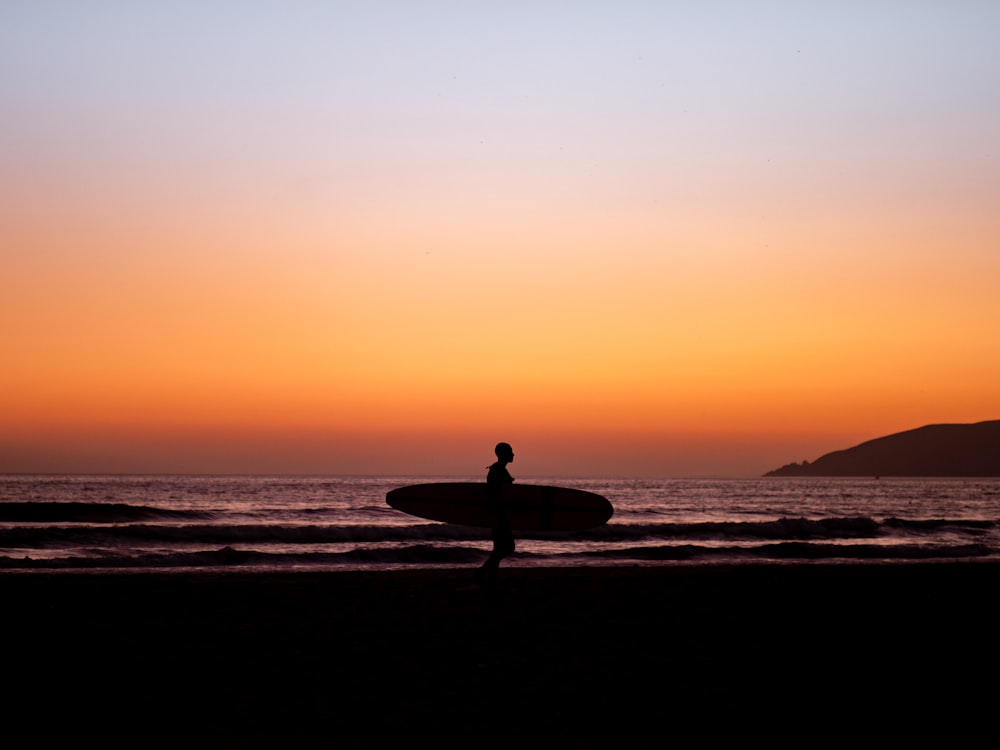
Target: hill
x: 937, y: 450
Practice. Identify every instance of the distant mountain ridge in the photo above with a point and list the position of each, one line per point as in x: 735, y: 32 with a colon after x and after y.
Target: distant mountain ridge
x: 936, y: 450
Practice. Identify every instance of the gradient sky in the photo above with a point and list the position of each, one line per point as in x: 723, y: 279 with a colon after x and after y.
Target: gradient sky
x: 630, y: 238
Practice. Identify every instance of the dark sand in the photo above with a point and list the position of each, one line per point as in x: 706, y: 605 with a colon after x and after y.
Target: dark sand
x: 589, y: 656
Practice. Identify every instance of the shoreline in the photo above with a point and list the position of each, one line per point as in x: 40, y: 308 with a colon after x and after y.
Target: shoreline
x: 338, y: 659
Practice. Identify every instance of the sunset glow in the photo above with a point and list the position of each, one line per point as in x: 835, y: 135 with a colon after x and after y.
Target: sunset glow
x: 633, y: 238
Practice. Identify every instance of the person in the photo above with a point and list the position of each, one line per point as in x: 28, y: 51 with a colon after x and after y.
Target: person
x: 503, y: 537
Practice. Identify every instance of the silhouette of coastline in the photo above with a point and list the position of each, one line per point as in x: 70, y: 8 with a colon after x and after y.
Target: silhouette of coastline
x: 938, y: 450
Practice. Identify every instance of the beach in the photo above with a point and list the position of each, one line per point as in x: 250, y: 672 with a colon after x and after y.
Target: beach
x: 587, y: 655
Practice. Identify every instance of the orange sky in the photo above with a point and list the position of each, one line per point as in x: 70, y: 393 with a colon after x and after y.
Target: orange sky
x: 773, y: 238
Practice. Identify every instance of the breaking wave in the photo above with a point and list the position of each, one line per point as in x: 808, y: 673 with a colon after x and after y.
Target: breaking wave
x: 120, y: 536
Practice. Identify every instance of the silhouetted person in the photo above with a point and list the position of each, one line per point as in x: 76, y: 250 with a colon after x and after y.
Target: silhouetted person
x: 503, y: 537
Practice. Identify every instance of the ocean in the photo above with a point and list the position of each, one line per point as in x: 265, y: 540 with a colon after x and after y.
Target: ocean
x: 92, y: 523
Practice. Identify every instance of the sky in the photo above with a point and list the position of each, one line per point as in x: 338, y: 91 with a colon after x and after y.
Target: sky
x: 630, y: 238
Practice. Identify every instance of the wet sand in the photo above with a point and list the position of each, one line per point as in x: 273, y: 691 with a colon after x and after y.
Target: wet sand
x: 594, y: 656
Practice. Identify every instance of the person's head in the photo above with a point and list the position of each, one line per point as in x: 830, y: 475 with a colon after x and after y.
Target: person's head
x: 504, y: 452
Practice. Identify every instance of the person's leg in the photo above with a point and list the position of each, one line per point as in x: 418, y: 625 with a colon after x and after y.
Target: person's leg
x: 503, y: 545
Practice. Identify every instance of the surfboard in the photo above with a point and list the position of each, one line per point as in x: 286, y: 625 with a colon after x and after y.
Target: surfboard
x: 529, y: 507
